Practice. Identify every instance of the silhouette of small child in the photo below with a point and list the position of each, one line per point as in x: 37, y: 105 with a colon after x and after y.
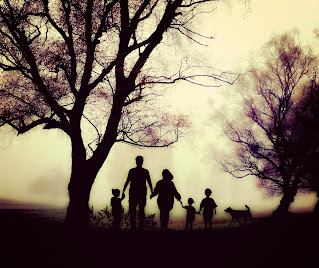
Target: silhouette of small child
x: 116, y: 208
x: 209, y: 206
x: 190, y: 216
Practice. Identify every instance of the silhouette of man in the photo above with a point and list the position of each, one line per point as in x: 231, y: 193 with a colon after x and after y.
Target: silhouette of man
x: 138, y: 177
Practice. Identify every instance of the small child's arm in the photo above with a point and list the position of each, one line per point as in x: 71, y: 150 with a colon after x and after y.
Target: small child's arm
x: 200, y: 208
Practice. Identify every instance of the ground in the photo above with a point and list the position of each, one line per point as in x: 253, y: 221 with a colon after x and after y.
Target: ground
x: 267, y: 242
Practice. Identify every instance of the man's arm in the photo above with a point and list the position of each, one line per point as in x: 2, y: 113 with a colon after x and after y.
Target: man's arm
x: 155, y: 192
x: 128, y: 180
x: 148, y: 178
x: 215, y: 206
x: 200, y: 207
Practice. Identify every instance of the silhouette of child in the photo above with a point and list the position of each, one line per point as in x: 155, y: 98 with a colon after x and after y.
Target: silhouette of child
x: 116, y: 208
x: 209, y: 206
x: 190, y: 216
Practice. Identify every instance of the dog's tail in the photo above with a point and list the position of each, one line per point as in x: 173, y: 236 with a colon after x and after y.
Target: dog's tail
x: 247, y: 207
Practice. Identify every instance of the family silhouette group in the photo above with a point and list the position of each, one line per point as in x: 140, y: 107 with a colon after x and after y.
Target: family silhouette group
x: 166, y: 191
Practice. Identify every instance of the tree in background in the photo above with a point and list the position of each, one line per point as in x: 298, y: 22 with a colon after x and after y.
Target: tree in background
x: 307, y: 141
x: 266, y: 139
x: 88, y: 68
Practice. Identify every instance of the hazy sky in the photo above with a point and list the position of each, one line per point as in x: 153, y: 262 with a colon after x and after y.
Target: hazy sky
x: 35, y: 167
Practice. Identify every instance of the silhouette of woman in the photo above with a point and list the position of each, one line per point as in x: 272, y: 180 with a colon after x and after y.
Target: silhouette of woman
x: 166, y: 191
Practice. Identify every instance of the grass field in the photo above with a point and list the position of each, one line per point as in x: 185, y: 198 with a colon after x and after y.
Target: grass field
x: 33, y: 239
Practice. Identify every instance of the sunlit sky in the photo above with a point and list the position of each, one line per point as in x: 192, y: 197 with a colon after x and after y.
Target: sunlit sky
x: 35, y: 167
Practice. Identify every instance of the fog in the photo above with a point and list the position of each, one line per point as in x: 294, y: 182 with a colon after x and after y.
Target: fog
x: 35, y: 167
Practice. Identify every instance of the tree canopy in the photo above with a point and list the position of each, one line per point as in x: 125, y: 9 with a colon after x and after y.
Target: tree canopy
x: 63, y: 59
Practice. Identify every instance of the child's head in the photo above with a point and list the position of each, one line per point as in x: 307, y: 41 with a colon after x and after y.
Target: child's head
x: 208, y: 192
x: 190, y: 201
x: 167, y: 175
x: 116, y: 192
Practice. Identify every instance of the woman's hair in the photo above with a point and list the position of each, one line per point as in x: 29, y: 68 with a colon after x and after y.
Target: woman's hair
x: 167, y: 174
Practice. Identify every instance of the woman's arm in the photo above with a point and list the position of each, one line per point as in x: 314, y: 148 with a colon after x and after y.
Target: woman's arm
x: 176, y: 194
x: 155, y: 192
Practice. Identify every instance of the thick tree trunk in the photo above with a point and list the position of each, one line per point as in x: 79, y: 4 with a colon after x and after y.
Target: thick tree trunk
x: 290, y: 190
x: 287, y: 199
x: 83, y: 174
x: 284, y: 205
x: 82, y: 179
x: 84, y: 171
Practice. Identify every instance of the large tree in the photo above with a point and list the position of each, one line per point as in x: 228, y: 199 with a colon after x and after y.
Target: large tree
x: 87, y: 68
x: 267, y: 138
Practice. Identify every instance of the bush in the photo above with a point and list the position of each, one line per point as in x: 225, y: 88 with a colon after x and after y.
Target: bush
x: 103, y: 219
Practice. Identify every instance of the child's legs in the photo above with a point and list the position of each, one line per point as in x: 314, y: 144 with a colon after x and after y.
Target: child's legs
x: 205, y: 222
x: 208, y: 221
x: 117, y: 217
x: 116, y: 222
x: 164, y: 215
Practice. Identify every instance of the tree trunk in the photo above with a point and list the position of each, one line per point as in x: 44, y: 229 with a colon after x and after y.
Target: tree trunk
x: 287, y: 199
x: 290, y: 190
x: 316, y: 210
x: 84, y: 171
x: 83, y: 174
x: 283, y: 207
x: 82, y: 178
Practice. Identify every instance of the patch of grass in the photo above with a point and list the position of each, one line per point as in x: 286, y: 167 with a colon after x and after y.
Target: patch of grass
x: 103, y: 220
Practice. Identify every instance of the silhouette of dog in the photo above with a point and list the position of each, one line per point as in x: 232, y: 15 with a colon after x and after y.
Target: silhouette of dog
x: 239, y: 214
